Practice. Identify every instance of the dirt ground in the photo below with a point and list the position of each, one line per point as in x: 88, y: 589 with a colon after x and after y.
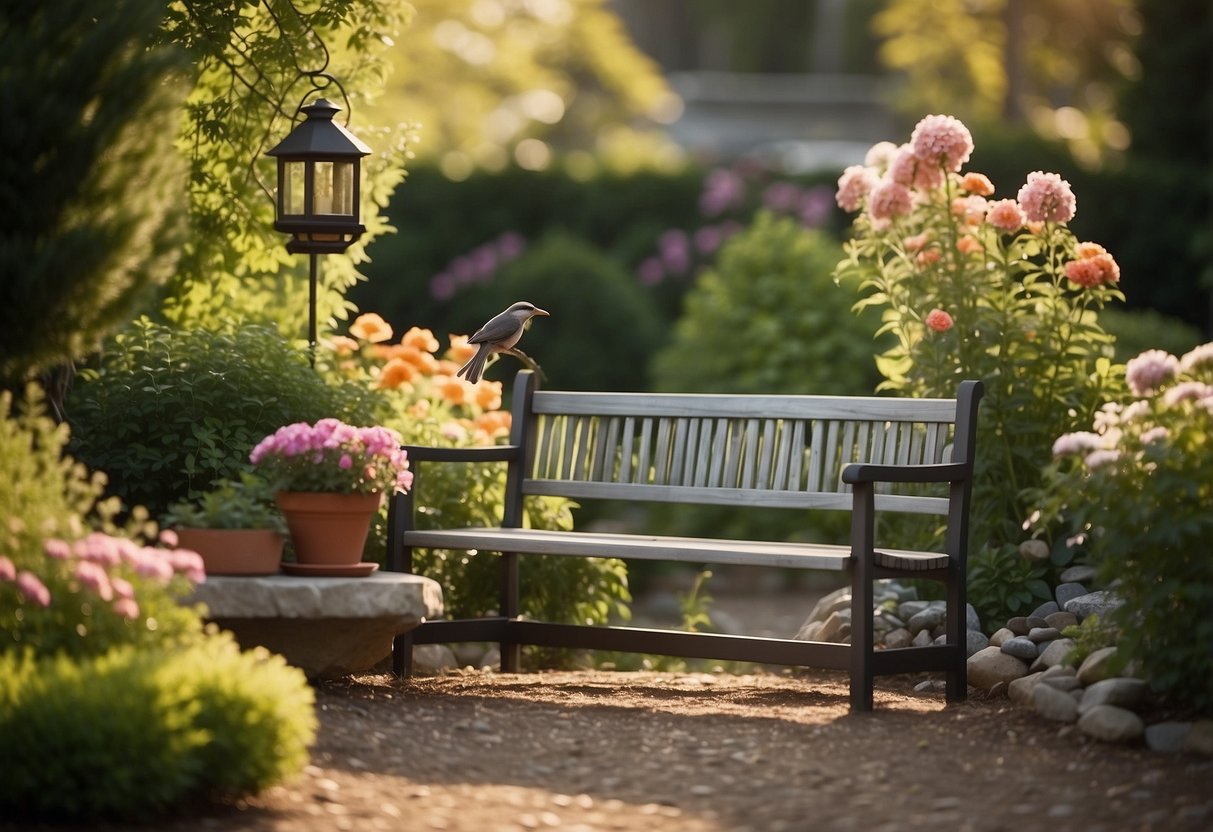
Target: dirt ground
x: 596, y: 750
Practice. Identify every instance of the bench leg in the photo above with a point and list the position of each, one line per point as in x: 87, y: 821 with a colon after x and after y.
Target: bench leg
x: 402, y: 655
x: 956, y: 678
x: 511, y: 653
x: 862, y: 677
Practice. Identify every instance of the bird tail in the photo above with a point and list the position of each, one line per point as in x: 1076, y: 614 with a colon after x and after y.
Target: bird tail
x: 475, y: 366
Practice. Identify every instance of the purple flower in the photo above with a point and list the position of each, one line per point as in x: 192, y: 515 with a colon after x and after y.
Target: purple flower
x: 650, y: 272
x: 442, y: 286
x: 783, y: 197
x: 815, y: 206
x: 484, y: 262
x: 675, y: 251
x: 510, y: 245
x: 463, y: 269
x: 722, y: 190
x: 708, y: 239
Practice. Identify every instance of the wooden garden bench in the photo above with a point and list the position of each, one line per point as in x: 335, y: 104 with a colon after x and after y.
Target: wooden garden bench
x: 862, y: 454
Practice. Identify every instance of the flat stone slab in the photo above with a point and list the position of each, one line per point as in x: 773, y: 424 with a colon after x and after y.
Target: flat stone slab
x: 328, y: 627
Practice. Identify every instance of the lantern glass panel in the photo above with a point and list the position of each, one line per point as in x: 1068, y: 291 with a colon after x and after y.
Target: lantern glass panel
x: 292, y: 188
x: 343, y: 188
x: 322, y: 189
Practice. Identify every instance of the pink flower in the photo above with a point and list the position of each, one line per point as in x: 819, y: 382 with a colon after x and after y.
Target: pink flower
x: 917, y: 242
x: 942, y: 141
x: 854, y: 185
x: 168, y: 538
x: 128, y: 608
x: 8, y: 571
x: 1186, y: 391
x: 1006, y: 215
x: 1099, y: 458
x: 1147, y: 372
x: 95, y: 578
x: 939, y: 320
x: 1197, y: 357
x: 57, y: 549
x: 122, y: 587
x: 914, y: 172
x: 1079, y: 442
x: 973, y: 208
x: 1046, y: 197
x: 33, y: 589
x: 346, y: 462
x: 880, y: 156
x: 1085, y: 273
x: 1155, y: 434
x: 889, y: 199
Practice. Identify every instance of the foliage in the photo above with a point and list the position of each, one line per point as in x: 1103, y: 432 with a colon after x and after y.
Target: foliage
x: 429, y: 405
x: 1091, y: 635
x: 255, y: 63
x: 332, y: 456
x: 91, y: 179
x: 97, y: 591
x: 494, y: 81
x: 1141, y: 482
x: 167, y: 412
x: 767, y: 318
x: 244, y: 503
x: 1137, y: 330
x: 998, y: 290
x: 1014, y: 61
x: 130, y: 733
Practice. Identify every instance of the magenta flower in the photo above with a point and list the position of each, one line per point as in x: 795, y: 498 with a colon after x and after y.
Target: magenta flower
x: 854, y: 186
x: 346, y: 462
x: 1046, y: 197
x: 33, y: 589
x: 1148, y: 371
x: 942, y: 141
x: 57, y: 549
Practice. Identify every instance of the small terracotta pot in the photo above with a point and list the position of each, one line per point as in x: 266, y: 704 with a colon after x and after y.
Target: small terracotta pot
x: 235, y: 551
x: 328, y: 528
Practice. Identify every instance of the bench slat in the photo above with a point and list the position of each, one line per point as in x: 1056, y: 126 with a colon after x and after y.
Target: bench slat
x: 653, y: 547
x: 699, y: 405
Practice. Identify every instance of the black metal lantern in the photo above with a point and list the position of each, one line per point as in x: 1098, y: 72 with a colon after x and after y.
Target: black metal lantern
x: 319, y: 176
x: 319, y: 173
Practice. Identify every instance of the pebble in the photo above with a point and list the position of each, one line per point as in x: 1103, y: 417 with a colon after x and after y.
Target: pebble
x: 1021, y: 647
x: 1167, y: 737
x: 1096, y: 666
x: 1068, y: 591
x: 1054, y: 704
x: 1100, y: 602
x: 1111, y: 724
x: 1042, y: 634
x: 1062, y: 619
x: 1119, y: 691
x: 990, y: 666
x: 1001, y: 635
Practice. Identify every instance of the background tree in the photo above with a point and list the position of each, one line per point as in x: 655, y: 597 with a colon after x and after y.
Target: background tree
x: 493, y: 83
x: 89, y: 179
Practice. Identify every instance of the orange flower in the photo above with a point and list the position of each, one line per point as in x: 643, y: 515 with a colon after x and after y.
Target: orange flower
x: 343, y: 346
x: 395, y: 374
x: 460, y: 350
x: 1089, y: 250
x: 447, y: 368
x: 491, y: 425
x: 977, y: 183
x: 422, y: 339
x: 423, y: 361
x: 454, y: 390
x: 488, y: 394
x: 371, y: 327
x: 1035, y: 226
x: 927, y: 257
x: 968, y: 244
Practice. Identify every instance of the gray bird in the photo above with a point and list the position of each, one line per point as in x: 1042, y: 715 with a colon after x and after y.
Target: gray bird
x: 500, y: 334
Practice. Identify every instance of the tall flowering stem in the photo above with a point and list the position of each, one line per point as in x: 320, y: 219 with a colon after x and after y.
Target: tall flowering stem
x: 1020, y: 292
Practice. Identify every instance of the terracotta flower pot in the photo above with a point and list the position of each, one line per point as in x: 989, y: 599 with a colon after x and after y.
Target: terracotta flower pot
x: 234, y: 551
x: 329, y: 529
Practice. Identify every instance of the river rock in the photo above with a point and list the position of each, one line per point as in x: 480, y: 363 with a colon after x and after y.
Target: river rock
x: 927, y: 619
x: 1200, y: 738
x: 1054, y: 704
x: 972, y: 619
x: 1062, y: 619
x: 900, y: 637
x: 1021, y: 647
x: 1078, y: 575
x: 988, y: 667
x: 1039, y: 635
x: 1119, y: 691
x: 1000, y: 636
x: 1101, y: 602
x: 1111, y: 724
x: 1055, y: 653
x: 1167, y: 737
x: 1019, y: 691
x: 1097, y: 666
x: 1067, y: 591
x: 975, y: 641
x: 1018, y: 625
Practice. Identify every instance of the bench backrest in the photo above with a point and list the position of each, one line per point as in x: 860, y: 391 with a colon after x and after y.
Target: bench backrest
x: 723, y: 449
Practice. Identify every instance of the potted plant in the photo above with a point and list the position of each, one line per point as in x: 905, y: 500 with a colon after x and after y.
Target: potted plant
x: 235, y: 527
x: 329, y: 479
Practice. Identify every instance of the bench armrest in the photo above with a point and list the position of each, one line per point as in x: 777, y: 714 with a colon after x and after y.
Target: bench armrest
x: 494, y: 453
x: 858, y: 472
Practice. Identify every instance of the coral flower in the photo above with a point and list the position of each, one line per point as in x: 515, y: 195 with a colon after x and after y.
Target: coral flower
x: 968, y: 244
x: 917, y: 242
x: 927, y: 256
x: 422, y: 339
x: 1087, y: 250
x: 371, y: 327
x: 342, y: 345
x: 1085, y: 273
x: 977, y: 183
x: 488, y: 394
x: 1046, y: 197
x: 942, y: 141
x: 395, y: 374
x: 939, y: 320
x: 460, y: 350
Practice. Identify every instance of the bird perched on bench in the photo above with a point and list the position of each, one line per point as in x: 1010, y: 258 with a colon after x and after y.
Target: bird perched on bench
x: 500, y: 334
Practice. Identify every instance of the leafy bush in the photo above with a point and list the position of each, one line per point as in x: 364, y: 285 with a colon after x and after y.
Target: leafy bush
x: 1141, y: 482
x: 246, y: 503
x: 768, y: 318
x: 998, y: 290
x: 1138, y: 330
x: 131, y: 733
x: 169, y: 412
x: 602, y: 330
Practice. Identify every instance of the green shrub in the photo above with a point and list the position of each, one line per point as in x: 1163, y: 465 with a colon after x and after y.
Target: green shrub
x: 768, y: 318
x: 602, y: 330
x: 131, y: 733
x: 1138, y: 330
x: 168, y: 412
x: 246, y: 503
